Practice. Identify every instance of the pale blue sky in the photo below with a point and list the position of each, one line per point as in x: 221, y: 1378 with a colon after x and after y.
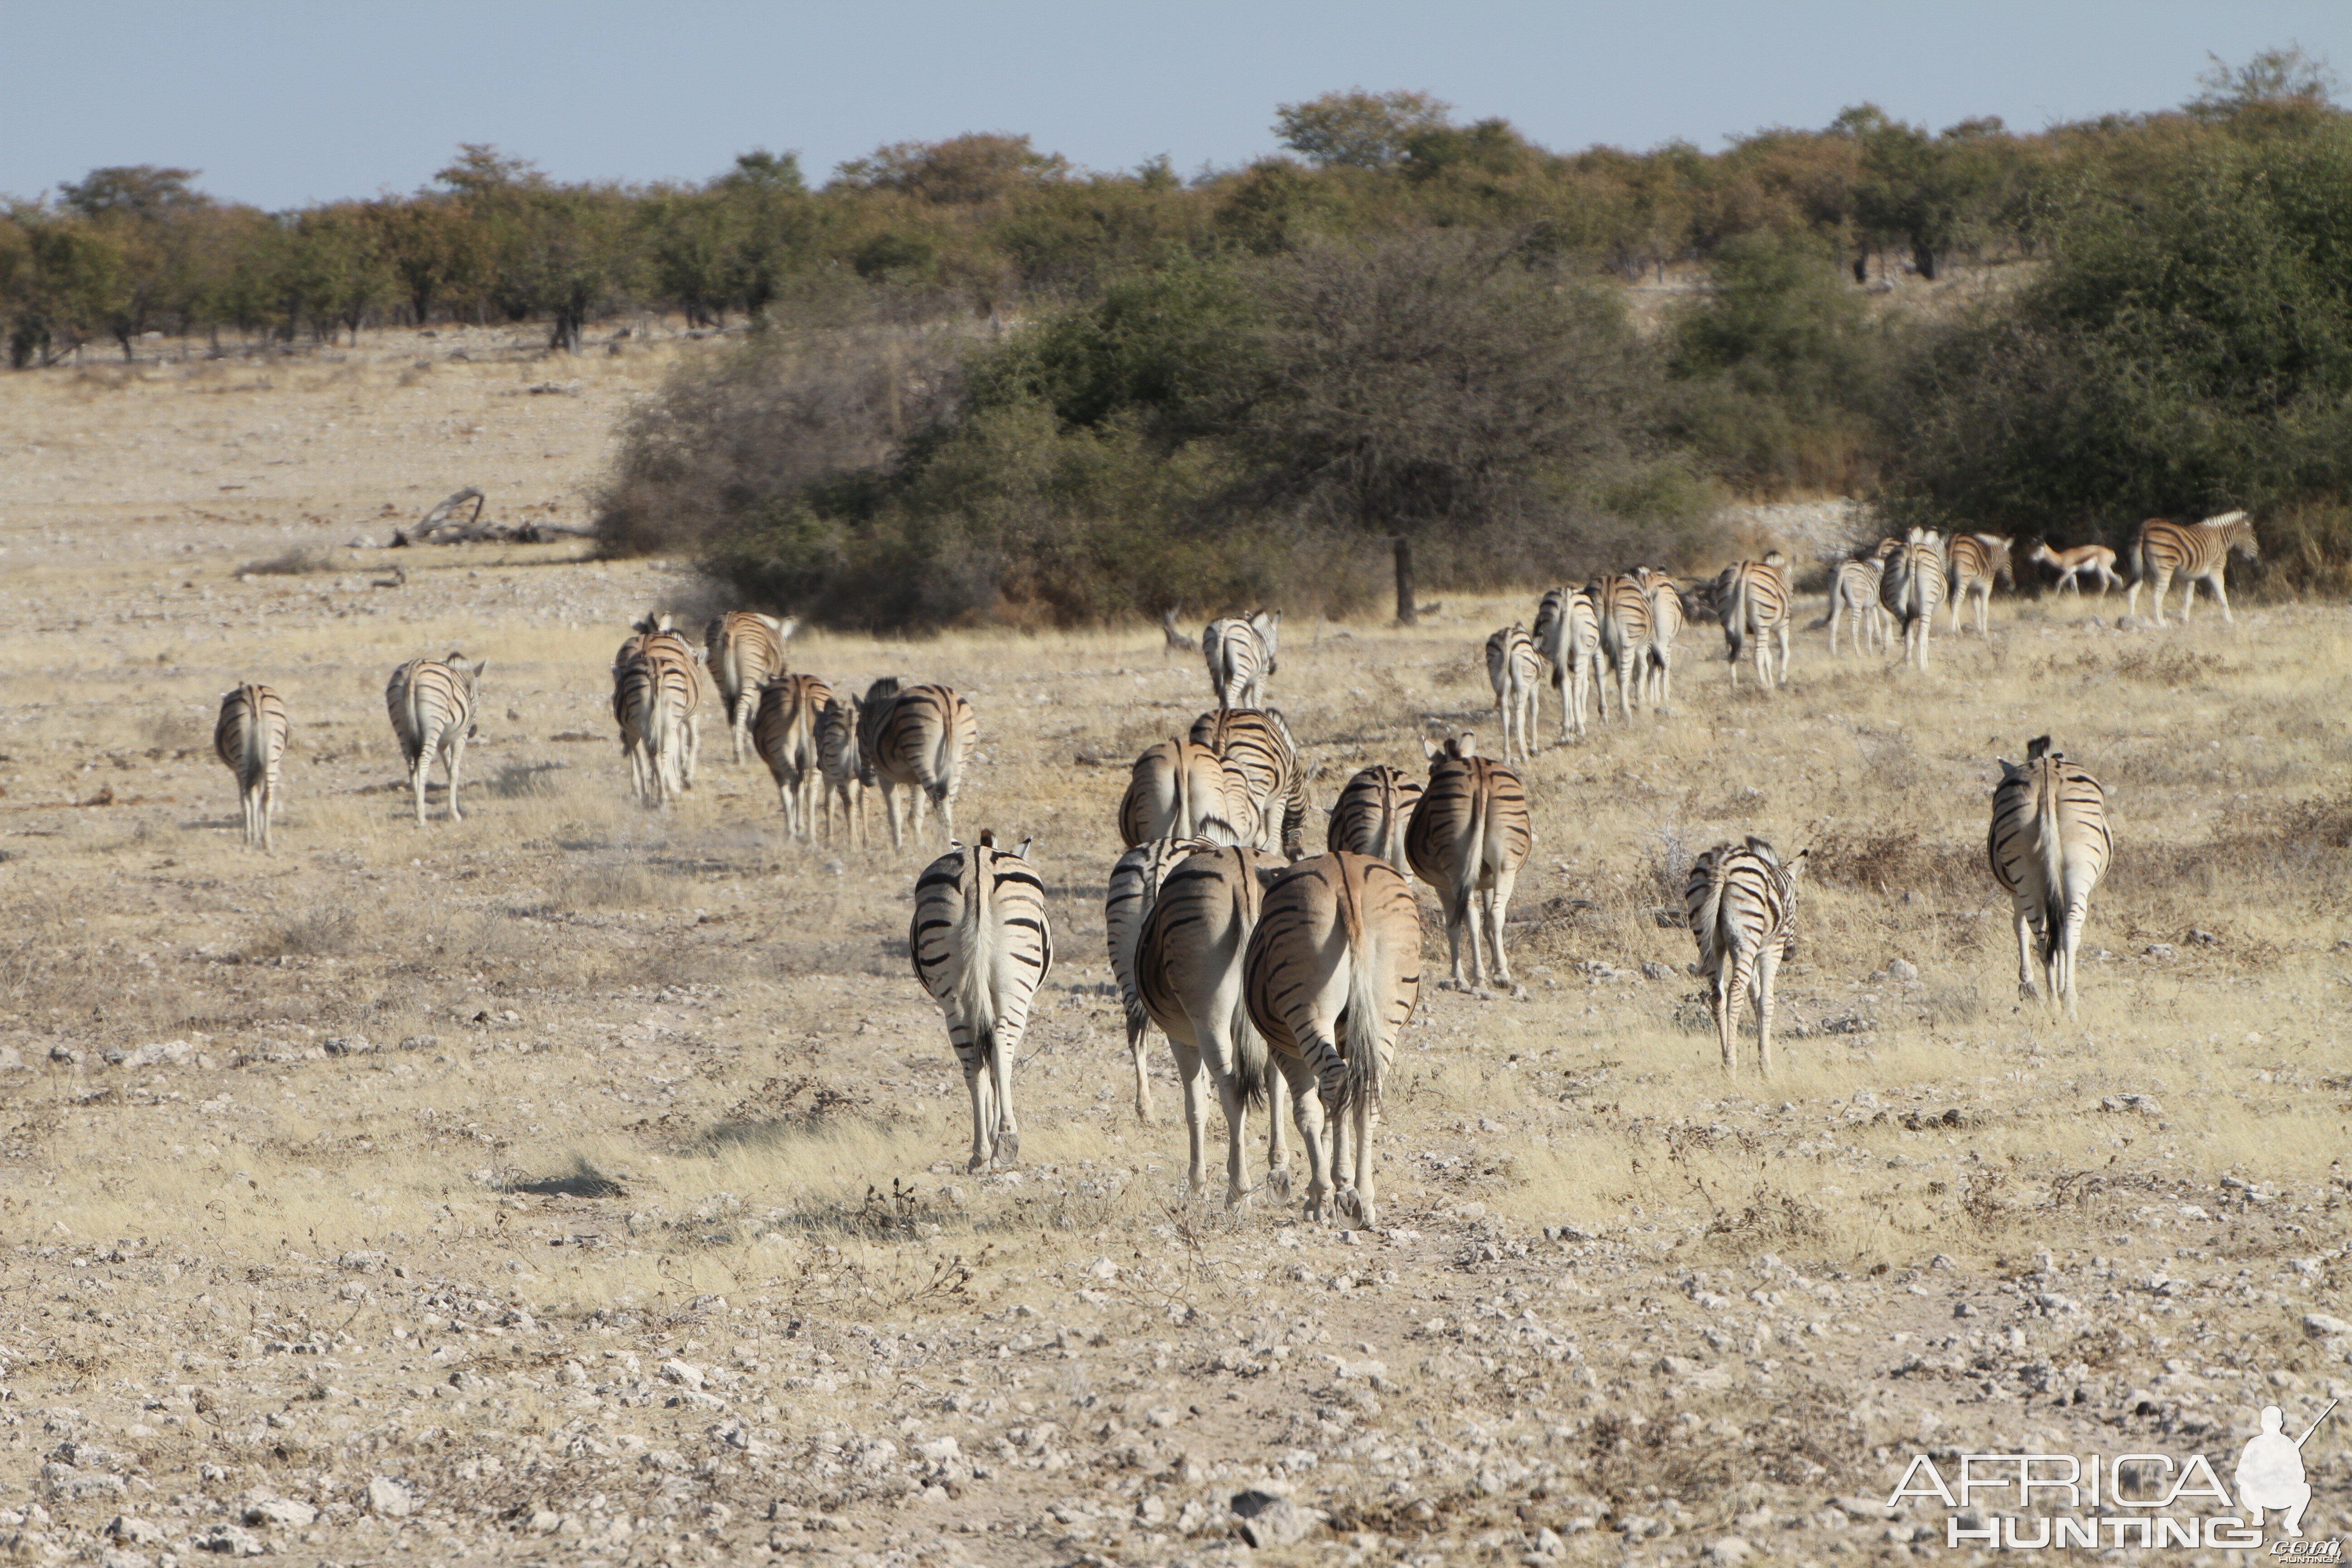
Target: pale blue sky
x: 282, y: 103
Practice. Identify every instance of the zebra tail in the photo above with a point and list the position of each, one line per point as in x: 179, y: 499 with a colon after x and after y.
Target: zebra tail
x: 1250, y: 1061
x: 1734, y: 611
x: 1707, y: 922
x: 1464, y: 892
x: 1364, y: 1024
x: 2053, y: 865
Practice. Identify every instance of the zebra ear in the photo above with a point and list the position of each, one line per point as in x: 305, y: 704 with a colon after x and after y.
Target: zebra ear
x: 1762, y: 850
x: 1795, y: 865
x: 1431, y: 748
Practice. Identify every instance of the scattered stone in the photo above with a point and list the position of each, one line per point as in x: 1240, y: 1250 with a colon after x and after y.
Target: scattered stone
x: 1902, y: 969
x: 2158, y: 949
x: 284, y: 1513
x: 133, y: 1531
x: 388, y: 1498
x: 1271, y: 1521
x: 230, y: 1542
x: 1729, y: 1548
x: 1652, y: 970
x: 1103, y: 1269
x: 421, y: 1043
x: 685, y: 1373
x: 2321, y: 1326
x: 2202, y: 938
x: 348, y: 1046
x: 1566, y: 1233
x: 2137, y: 1104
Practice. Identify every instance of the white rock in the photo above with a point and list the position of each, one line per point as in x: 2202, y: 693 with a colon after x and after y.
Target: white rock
x: 2320, y: 1326
x: 1102, y: 1268
x: 389, y: 1499
x: 283, y: 1513
x: 683, y: 1373
x: 1729, y: 1548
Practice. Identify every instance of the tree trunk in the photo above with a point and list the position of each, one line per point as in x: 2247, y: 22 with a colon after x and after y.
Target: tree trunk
x: 1861, y: 266
x: 1925, y: 259
x: 1408, y: 613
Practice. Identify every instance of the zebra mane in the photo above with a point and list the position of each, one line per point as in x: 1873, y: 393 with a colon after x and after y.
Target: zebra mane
x: 2038, y: 747
x: 1762, y: 850
x: 2223, y: 520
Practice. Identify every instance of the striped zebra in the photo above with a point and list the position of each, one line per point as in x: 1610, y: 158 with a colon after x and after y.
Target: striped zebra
x: 1912, y: 588
x: 1188, y: 968
x: 744, y: 650
x: 1256, y: 743
x: 1181, y: 789
x: 2096, y: 560
x: 919, y: 738
x: 1667, y: 616
x: 1853, y: 589
x: 1135, y: 883
x: 1568, y: 634
x: 1468, y: 838
x: 1753, y: 598
x: 1742, y: 904
x: 2195, y: 552
x: 1628, y: 631
x: 655, y: 638
x: 981, y: 947
x: 432, y: 705
x: 841, y: 765
x: 1976, y: 560
x: 1516, y: 673
x: 783, y: 730
x: 250, y: 737
x: 1373, y: 813
x: 1240, y: 654
x: 2048, y: 847
x: 1330, y: 978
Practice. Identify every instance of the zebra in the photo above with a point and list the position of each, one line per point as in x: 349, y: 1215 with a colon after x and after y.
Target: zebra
x: 1667, y: 615
x: 1468, y: 838
x: 1240, y: 654
x: 1912, y: 588
x: 1134, y: 883
x: 1330, y: 977
x: 2195, y: 552
x: 1976, y: 560
x: 743, y: 649
x: 1628, y: 630
x: 2048, y: 846
x: 1256, y: 743
x: 432, y: 705
x: 2096, y: 560
x: 250, y: 737
x: 981, y: 946
x: 1853, y: 589
x: 1568, y: 634
x: 783, y: 730
x: 1752, y: 597
x: 1374, y: 810
x: 916, y: 739
x: 840, y: 765
x: 654, y: 695
x: 1517, y: 675
x: 1742, y: 905
x: 1188, y: 968
x: 653, y: 637
x: 1181, y: 789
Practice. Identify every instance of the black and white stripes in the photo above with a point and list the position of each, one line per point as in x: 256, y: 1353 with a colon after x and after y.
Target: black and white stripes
x: 982, y: 945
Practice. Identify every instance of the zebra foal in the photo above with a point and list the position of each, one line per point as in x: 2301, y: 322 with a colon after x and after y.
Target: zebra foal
x: 1912, y: 588
x: 2048, y: 846
x: 431, y: 701
x: 250, y: 737
x: 981, y: 946
x: 1330, y: 976
x: 1753, y: 598
x: 1134, y: 887
x: 1741, y: 901
x: 1256, y: 743
x: 1977, y: 561
x: 1629, y: 630
x: 842, y: 766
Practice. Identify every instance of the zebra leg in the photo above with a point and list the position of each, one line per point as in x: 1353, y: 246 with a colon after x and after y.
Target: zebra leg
x: 1194, y: 1077
x: 2155, y: 593
x: 1725, y: 1004
x: 1277, y: 1138
x: 2027, y: 950
x: 2069, y: 942
x: 983, y: 1110
x: 1784, y: 653
x: 1498, y: 908
x: 1768, y: 965
x: 1137, y: 1054
x: 1307, y: 1105
x: 2220, y: 598
x: 890, y: 812
x: 416, y: 771
x: 693, y: 751
x: 452, y: 759
x: 1984, y: 608
x: 2188, y: 597
x: 1008, y: 1127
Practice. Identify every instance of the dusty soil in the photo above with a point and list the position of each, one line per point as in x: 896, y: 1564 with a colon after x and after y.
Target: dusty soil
x: 573, y: 1182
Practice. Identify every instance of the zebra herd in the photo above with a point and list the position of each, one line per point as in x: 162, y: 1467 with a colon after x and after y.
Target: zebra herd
x: 1269, y: 970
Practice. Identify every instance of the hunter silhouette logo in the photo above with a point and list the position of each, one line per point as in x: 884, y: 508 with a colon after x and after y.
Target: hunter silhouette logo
x: 2040, y: 1502
x: 2270, y: 1471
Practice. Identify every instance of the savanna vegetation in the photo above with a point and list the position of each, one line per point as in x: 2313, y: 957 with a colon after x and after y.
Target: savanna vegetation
x: 988, y: 386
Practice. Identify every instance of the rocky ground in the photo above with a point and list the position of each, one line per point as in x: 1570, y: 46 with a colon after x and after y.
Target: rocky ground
x: 573, y: 1184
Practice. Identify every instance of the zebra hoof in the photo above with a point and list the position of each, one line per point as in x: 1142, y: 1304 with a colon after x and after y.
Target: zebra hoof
x: 1349, y: 1204
x: 1278, y: 1181
x: 1008, y: 1149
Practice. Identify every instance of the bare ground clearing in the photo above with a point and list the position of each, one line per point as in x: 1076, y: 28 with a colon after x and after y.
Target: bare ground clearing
x: 576, y: 1183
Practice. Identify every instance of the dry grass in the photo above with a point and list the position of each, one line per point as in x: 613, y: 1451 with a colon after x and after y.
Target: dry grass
x: 574, y: 1060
